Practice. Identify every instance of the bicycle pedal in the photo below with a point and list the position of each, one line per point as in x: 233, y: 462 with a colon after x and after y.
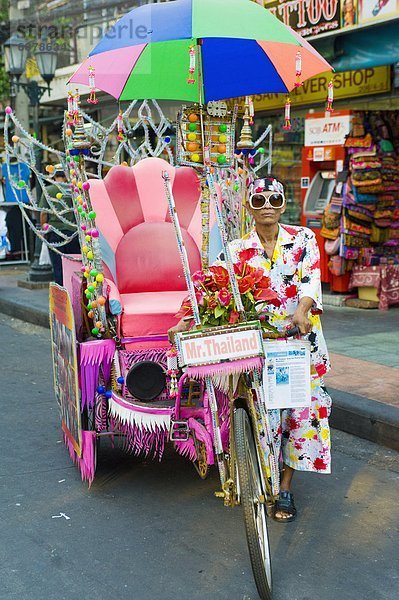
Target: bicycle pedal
x: 179, y: 431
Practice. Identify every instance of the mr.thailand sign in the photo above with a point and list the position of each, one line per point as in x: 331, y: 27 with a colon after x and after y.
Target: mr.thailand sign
x: 224, y: 345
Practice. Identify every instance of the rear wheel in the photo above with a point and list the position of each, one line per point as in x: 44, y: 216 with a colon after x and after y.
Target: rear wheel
x: 253, y: 503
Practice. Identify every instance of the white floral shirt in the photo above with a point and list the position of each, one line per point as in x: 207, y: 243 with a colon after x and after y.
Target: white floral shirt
x: 294, y: 272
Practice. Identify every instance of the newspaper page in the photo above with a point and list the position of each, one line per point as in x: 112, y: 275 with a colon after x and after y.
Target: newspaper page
x: 286, y: 374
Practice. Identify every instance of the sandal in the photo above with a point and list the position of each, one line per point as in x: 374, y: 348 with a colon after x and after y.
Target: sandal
x: 285, y: 504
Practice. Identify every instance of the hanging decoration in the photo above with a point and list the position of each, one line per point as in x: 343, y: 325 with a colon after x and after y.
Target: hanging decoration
x: 330, y: 97
x: 251, y: 110
x: 298, y: 69
x: 287, y: 114
x: 119, y: 124
x: 173, y: 371
x: 92, y: 99
x: 191, y: 78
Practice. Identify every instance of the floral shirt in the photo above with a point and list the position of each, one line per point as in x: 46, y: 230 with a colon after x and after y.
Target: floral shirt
x: 294, y: 272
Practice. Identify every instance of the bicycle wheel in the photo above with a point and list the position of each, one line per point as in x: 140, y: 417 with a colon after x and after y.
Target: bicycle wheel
x: 254, y: 510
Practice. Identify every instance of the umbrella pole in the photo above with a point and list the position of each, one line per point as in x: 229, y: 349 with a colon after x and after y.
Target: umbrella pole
x: 205, y: 193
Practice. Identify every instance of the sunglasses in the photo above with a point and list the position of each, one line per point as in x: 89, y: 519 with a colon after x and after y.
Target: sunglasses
x: 261, y: 200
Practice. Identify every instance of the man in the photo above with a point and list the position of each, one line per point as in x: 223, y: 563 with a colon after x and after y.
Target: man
x: 290, y: 257
x: 54, y: 221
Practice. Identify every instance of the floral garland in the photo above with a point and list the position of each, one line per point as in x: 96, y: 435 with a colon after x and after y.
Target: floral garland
x: 215, y: 298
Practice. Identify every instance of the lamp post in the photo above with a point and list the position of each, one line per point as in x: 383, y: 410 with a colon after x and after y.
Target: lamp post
x: 16, y: 54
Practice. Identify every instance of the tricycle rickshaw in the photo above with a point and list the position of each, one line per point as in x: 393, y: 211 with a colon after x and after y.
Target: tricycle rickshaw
x: 145, y: 229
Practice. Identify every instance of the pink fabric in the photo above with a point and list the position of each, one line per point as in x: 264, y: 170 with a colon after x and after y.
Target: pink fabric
x: 93, y: 355
x: 87, y: 462
x: 112, y: 69
x: 147, y: 259
x: 385, y: 278
x: 150, y: 313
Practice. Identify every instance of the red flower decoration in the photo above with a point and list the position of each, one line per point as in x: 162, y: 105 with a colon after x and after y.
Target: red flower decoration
x: 220, y: 276
x: 247, y: 254
x: 246, y: 283
x: 224, y: 297
x: 265, y: 294
x: 234, y: 317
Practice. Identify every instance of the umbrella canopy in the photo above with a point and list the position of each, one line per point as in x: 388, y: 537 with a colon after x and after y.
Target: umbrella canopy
x: 241, y: 48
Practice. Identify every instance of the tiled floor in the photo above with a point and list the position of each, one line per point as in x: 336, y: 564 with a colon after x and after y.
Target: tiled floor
x: 364, y: 378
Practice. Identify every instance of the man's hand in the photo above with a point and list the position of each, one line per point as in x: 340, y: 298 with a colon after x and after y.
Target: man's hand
x: 179, y: 328
x: 301, y: 318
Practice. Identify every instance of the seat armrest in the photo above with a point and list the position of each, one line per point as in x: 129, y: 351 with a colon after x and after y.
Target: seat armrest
x: 114, y: 298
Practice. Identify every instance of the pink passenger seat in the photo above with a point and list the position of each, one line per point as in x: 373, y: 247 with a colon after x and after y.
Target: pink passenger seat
x: 138, y: 243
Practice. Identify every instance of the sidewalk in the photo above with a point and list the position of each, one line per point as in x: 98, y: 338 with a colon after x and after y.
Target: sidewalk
x: 364, y: 381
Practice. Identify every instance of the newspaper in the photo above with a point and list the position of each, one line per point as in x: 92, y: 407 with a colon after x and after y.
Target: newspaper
x: 286, y: 374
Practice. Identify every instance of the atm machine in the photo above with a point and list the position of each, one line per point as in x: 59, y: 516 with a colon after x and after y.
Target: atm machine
x: 323, y: 158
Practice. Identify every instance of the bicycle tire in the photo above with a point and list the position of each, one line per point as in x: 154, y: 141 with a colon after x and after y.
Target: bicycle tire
x: 254, y: 512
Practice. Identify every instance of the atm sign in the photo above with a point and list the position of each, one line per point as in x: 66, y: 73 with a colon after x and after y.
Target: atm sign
x: 330, y: 131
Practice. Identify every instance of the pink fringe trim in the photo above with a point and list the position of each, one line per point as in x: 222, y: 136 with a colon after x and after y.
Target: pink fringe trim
x: 227, y: 368
x: 87, y: 462
x: 139, y: 441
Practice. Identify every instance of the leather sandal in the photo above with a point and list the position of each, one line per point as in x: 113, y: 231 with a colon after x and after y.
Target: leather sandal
x: 285, y: 504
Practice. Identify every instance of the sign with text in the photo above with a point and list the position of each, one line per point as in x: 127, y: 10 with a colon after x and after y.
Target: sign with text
x: 65, y: 364
x: 286, y: 374
x: 311, y: 18
x: 307, y: 17
x: 347, y: 84
x: 229, y: 345
x: 330, y: 131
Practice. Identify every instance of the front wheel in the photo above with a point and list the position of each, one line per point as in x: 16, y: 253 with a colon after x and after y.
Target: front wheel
x: 253, y: 503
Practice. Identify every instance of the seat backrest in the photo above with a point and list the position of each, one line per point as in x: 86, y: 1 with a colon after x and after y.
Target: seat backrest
x: 137, y: 237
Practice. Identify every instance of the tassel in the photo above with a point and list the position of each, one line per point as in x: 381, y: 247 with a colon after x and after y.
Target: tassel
x: 191, y: 78
x: 119, y: 123
x: 287, y: 115
x: 298, y: 69
x: 173, y: 371
x: 75, y: 107
x: 92, y: 99
x: 330, y: 97
x: 251, y: 110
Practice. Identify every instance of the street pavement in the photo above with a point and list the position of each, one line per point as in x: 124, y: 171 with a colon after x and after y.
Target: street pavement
x: 364, y: 380
x: 150, y: 530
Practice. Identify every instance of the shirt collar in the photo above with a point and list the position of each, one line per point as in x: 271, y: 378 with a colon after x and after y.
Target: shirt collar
x: 285, y: 237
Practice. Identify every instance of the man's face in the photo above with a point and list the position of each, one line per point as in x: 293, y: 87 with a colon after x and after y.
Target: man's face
x: 266, y: 215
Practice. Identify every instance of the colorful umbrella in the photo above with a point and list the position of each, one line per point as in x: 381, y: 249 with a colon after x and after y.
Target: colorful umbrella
x: 234, y: 48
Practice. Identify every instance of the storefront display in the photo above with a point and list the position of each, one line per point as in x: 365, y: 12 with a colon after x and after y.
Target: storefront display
x: 367, y: 203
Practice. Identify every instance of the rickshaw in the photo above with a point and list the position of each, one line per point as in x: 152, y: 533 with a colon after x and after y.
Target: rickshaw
x: 146, y: 229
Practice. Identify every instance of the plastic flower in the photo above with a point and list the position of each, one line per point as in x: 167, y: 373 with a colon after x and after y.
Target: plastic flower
x: 246, y: 255
x: 224, y: 297
x: 234, y: 317
x: 220, y: 276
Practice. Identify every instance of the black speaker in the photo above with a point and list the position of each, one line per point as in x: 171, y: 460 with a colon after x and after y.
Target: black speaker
x: 146, y: 380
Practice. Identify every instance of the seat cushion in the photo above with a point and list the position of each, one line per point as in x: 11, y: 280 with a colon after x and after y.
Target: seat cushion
x: 147, y: 259
x: 150, y: 313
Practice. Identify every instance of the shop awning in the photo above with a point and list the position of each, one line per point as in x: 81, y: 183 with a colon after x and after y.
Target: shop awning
x: 370, y: 47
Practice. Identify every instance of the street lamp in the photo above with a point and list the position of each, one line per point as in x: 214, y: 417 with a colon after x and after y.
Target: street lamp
x: 16, y: 54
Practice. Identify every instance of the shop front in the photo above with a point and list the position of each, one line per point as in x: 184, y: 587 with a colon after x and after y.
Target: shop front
x: 314, y: 160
